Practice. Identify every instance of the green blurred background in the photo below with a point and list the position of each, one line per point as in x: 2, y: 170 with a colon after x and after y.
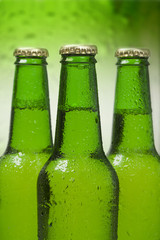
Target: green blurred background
x: 109, y: 24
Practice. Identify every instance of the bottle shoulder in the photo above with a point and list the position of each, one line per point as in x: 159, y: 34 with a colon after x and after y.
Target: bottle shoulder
x: 82, y: 166
x: 147, y: 160
x: 20, y: 162
x: 80, y: 161
x: 137, y: 171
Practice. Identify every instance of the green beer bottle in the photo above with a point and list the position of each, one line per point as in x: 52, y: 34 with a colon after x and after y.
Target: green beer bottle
x: 29, y: 147
x: 78, y: 188
x: 132, y: 152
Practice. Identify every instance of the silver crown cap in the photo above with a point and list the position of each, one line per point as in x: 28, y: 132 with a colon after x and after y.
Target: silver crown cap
x: 78, y: 49
x: 31, y: 52
x: 132, y: 52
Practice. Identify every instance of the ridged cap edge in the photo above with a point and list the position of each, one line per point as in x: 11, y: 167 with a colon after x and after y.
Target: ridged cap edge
x: 31, y: 52
x: 132, y: 52
x: 78, y: 50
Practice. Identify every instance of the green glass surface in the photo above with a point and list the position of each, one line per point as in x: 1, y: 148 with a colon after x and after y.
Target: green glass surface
x: 133, y: 154
x: 78, y: 188
x: 29, y: 147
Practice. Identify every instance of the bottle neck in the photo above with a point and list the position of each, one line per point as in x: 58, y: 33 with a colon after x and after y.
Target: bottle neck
x: 30, y: 129
x: 132, y: 124
x: 78, y: 122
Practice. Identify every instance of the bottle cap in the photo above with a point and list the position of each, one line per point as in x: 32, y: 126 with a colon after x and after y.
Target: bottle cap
x: 31, y: 52
x: 132, y: 52
x: 78, y: 50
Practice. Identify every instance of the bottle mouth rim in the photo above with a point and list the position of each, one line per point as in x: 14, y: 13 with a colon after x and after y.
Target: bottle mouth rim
x: 132, y: 61
x: 78, y: 59
x: 21, y: 60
